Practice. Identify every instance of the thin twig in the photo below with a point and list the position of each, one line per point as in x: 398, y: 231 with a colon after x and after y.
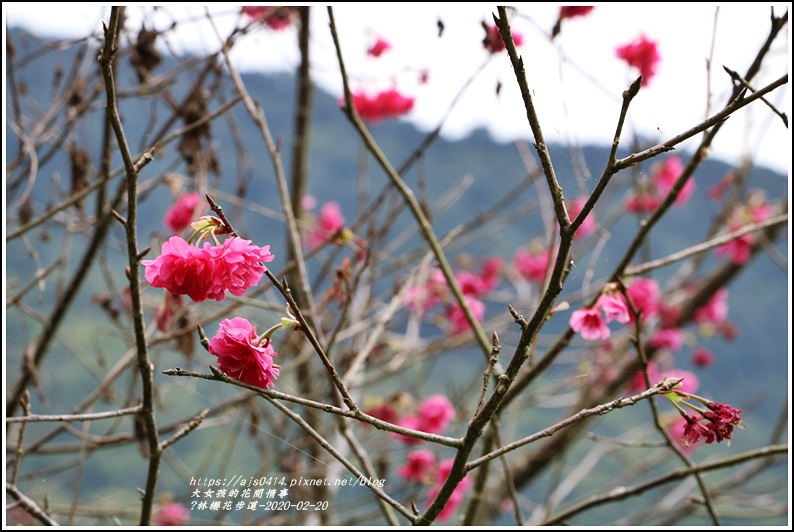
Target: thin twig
x: 623, y: 492
x: 739, y: 79
x: 39, y: 418
x: 30, y: 506
x: 218, y: 375
x: 579, y: 416
x: 144, y: 366
x: 705, y: 246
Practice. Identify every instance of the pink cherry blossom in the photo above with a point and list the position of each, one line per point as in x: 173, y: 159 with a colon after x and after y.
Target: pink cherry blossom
x: 672, y: 339
x: 693, y: 430
x: 237, y: 266
x: 184, y: 211
x: 643, y: 54
x: 171, y: 514
x: 242, y: 355
x: 329, y: 223
x: 384, y: 105
x: 479, y: 285
x: 589, y: 225
x: 665, y: 176
x: 380, y: 46
x: 493, y: 40
x: 575, y: 11
x: 532, y: 266
x: 420, y: 466
x: 643, y: 202
x: 458, y: 494
x: 435, y: 413
x: 457, y: 319
x: 740, y: 249
x: 645, y: 296
x: 590, y: 324
x: 715, y: 311
x: 276, y: 17
x: 614, y: 308
x: 702, y: 357
x: 206, y: 273
x: 429, y: 294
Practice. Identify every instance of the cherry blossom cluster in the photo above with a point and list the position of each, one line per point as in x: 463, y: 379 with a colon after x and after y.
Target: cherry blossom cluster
x: 275, y: 17
x: 493, y: 42
x: 435, y: 291
x: 423, y: 467
x: 709, y: 421
x: 642, y: 54
x: 208, y: 272
x: 663, y: 178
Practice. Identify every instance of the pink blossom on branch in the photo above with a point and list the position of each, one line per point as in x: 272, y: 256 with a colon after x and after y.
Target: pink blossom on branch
x: 276, y: 17
x: 575, y: 11
x: 589, y: 224
x: 645, y: 296
x: 208, y: 272
x: 380, y: 46
x: 329, y: 223
x: 420, y: 466
x: 614, y: 308
x: 184, y: 211
x: 458, y: 494
x: 493, y: 42
x: 532, y: 266
x: 715, y: 311
x: 590, y: 324
x: 242, y: 355
x: 457, y: 318
x: 383, y: 106
x: 702, y: 357
x: 665, y: 176
x: 171, y: 514
x: 643, y: 54
x: 435, y: 413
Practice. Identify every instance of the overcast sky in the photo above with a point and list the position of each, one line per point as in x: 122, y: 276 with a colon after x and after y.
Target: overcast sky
x: 577, y: 80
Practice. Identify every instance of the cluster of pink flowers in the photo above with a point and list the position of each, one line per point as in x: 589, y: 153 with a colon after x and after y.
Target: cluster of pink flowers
x: 379, y: 47
x: 433, y: 415
x: 171, y: 514
x: 715, y: 423
x: 533, y: 266
x: 208, y: 272
x: 756, y: 211
x: 276, y: 17
x: 493, y: 42
x: 421, y: 466
x: 244, y: 355
x: 575, y: 11
x: 458, y: 494
x: 184, y: 211
x: 592, y: 324
x: 329, y: 224
x: 435, y: 291
x: 384, y: 105
x: 643, y: 54
x: 663, y: 177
